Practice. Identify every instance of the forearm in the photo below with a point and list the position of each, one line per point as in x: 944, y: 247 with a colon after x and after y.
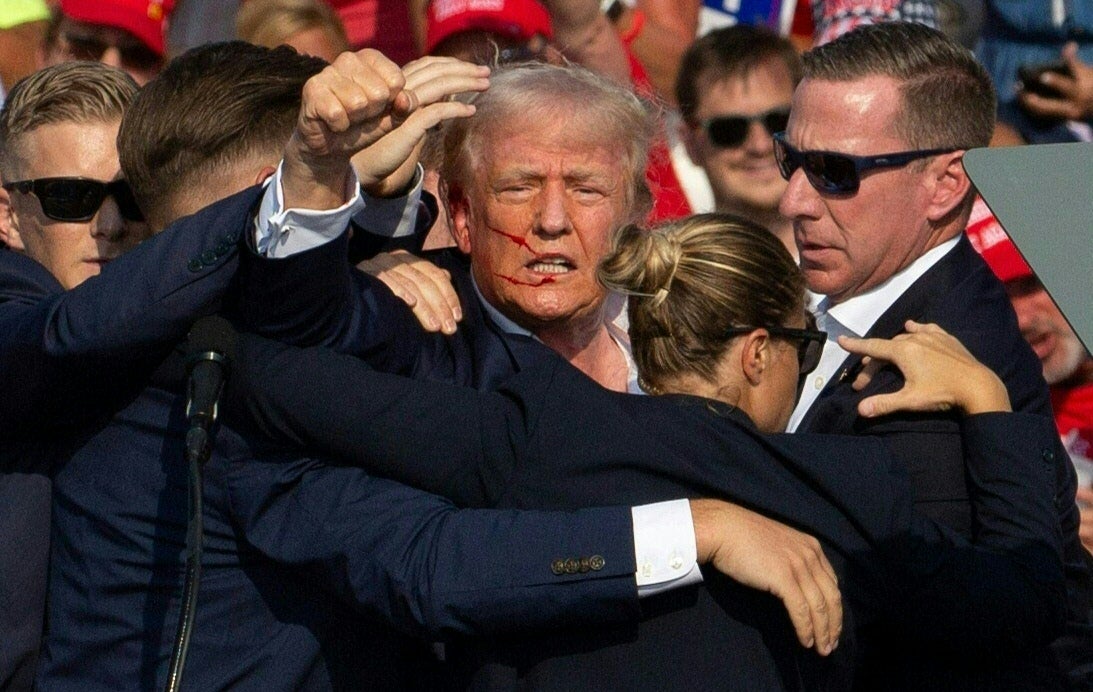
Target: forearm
x: 428, y: 568
x: 339, y: 405
x: 84, y: 342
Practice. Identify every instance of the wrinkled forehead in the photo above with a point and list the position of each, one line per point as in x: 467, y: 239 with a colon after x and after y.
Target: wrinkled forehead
x: 580, y: 135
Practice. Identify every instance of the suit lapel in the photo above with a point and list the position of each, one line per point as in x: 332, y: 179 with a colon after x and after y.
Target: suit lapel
x: 913, y: 304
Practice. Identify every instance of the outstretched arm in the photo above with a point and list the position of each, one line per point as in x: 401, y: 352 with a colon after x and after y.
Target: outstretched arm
x: 468, y: 444
x: 1016, y: 554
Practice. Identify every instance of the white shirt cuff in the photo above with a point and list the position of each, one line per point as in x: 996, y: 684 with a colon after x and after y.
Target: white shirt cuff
x: 664, y: 546
x: 280, y: 232
x: 393, y: 217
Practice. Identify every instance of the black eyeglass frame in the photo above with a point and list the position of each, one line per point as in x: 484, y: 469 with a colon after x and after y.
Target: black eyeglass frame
x: 790, y: 159
x: 707, y: 125
x: 118, y: 189
x: 133, y: 52
x: 808, y: 357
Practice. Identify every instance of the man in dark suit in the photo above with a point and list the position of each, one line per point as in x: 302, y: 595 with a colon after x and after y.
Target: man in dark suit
x: 296, y: 574
x: 879, y: 199
x: 40, y: 145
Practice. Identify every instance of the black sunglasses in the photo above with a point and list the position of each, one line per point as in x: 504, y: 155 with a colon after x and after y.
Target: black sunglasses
x: 731, y: 131
x: 78, y: 199
x: 132, y: 51
x: 835, y: 173
x: 810, y: 342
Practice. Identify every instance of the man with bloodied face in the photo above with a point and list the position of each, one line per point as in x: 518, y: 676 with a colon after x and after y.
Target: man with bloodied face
x: 551, y: 164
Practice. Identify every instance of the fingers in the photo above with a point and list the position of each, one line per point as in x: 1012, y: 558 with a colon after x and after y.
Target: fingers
x: 422, y: 285
x: 1048, y: 107
x: 438, y: 79
x: 814, y: 602
x: 423, y: 103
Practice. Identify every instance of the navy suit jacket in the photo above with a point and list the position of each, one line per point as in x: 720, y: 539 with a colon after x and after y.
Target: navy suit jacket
x: 960, y: 294
x: 552, y: 438
x: 301, y: 579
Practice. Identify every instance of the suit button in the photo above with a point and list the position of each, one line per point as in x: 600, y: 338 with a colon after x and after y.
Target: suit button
x: 222, y: 249
x: 596, y: 563
x: 572, y: 566
x: 194, y: 265
x: 558, y: 567
x: 208, y: 258
x: 1048, y: 456
x: 230, y: 239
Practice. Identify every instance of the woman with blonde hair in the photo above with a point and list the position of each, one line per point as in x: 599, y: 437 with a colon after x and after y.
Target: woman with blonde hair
x: 721, y: 338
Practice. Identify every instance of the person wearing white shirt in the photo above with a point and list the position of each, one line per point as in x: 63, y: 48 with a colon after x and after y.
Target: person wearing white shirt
x: 879, y: 199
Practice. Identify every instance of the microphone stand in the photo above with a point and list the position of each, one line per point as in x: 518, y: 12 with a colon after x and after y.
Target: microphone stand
x: 198, y: 450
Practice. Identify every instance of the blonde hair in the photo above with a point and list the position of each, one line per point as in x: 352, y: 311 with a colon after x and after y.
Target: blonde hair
x: 271, y: 23
x: 79, y: 92
x: 690, y: 281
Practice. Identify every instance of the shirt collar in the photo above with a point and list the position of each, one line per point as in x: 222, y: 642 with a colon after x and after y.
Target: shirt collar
x: 858, y: 314
x: 617, y: 323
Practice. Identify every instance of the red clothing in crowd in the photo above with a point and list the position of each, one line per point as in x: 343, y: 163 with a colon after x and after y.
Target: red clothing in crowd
x: 1073, y: 408
x: 669, y: 200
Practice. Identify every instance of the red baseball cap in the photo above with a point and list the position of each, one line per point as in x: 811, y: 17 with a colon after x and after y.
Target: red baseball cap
x: 145, y: 19
x: 990, y: 240
x: 515, y: 19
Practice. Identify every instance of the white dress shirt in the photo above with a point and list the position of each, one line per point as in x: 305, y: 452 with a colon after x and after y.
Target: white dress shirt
x: 855, y: 317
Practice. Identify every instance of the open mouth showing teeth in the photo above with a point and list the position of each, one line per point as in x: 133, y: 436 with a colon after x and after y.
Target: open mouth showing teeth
x: 550, y: 266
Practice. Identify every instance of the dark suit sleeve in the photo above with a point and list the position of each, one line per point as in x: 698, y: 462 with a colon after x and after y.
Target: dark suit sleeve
x: 454, y: 441
x: 1005, y: 590
x: 428, y: 568
x: 61, y: 352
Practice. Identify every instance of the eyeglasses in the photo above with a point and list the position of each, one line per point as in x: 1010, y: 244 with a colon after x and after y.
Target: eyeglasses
x: 78, y: 199
x: 731, y: 131
x: 835, y: 173
x: 132, y: 51
x: 809, y: 349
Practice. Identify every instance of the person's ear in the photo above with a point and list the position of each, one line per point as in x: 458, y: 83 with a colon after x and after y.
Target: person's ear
x: 263, y: 174
x: 9, y: 223
x: 755, y: 356
x: 950, y: 185
x: 689, y: 134
x: 459, y: 212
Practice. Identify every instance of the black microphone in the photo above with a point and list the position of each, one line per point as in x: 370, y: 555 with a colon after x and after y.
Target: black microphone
x: 212, y: 344
x: 211, y: 347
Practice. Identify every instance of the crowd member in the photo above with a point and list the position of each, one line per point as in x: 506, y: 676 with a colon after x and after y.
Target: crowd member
x: 733, y: 300
x: 261, y: 616
x: 128, y: 34
x: 1067, y: 366
x: 587, y: 37
x: 22, y: 26
x: 63, y: 207
x: 1029, y: 34
x: 309, y: 26
x: 879, y: 199
x: 734, y: 89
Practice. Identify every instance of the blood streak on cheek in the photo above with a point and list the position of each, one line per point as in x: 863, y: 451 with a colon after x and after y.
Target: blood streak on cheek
x: 516, y: 282
x: 519, y: 240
